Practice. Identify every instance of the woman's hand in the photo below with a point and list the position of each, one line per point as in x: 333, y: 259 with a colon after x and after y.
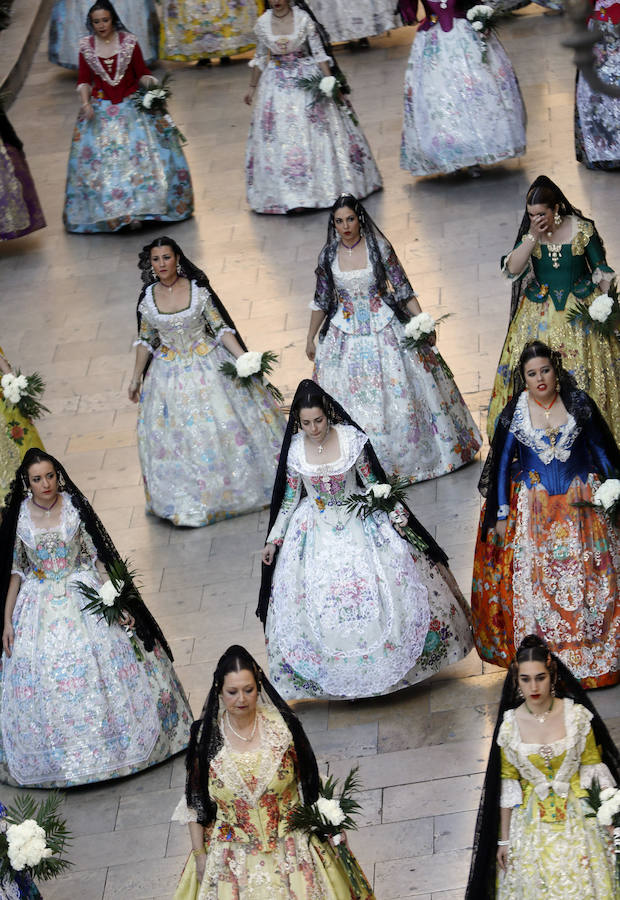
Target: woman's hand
x: 310, y: 349
x: 502, y: 858
x: 8, y: 639
x: 249, y: 96
x: 500, y: 529
x: 399, y: 518
x: 538, y: 228
x: 127, y: 620
x: 87, y: 111
x: 269, y: 551
x: 133, y: 391
x: 201, y: 862
x: 432, y: 339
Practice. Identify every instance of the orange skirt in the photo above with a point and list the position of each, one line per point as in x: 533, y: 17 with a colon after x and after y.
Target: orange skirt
x: 557, y: 575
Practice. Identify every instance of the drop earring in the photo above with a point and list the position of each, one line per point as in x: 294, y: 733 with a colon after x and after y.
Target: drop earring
x: 557, y: 219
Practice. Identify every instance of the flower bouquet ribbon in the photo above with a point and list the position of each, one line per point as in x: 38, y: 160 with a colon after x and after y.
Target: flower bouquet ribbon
x: 23, y: 392
x: 480, y: 18
x: 32, y: 838
x: 601, y: 316
x: 329, y: 87
x: 154, y: 100
x: 114, y: 599
x: 329, y: 817
x: 417, y: 333
x: 252, y: 365
x: 605, y: 806
x: 388, y: 497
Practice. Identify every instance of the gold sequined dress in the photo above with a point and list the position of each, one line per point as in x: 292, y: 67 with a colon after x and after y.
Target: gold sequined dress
x: 555, y: 283
x: 556, y: 852
x: 252, y: 854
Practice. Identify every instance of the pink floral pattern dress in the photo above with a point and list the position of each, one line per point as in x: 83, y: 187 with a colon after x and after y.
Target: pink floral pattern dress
x: 300, y: 153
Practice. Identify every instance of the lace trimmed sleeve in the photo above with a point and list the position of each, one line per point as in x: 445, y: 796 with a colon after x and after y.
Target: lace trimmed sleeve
x: 20, y: 559
x: 511, y: 794
x: 261, y: 53
x: 211, y: 315
x: 147, y: 336
x: 314, y: 42
x: 292, y: 496
x: 592, y: 766
x: 183, y: 814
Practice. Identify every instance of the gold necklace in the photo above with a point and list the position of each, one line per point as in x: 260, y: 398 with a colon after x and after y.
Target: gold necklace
x: 541, y: 717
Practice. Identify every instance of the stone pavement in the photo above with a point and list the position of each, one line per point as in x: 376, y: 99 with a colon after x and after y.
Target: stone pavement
x: 67, y: 309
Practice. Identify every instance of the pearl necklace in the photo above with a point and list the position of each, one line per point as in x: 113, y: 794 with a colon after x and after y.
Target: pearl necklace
x: 236, y: 733
x: 541, y: 717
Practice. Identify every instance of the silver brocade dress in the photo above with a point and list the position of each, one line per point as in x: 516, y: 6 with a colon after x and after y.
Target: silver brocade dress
x: 404, y: 400
x: 354, y: 611
x: 77, y: 706
x: 208, y: 448
x: 300, y: 153
x: 350, y: 20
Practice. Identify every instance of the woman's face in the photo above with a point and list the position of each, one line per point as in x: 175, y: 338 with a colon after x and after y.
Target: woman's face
x: 240, y: 693
x: 43, y: 483
x: 347, y: 224
x: 541, y: 216
x: 101, y: 20
x: 280, y: 7
x: 314, y: 423
x: 540, y: 378
x: 164, y: 262
x: 535, y: 682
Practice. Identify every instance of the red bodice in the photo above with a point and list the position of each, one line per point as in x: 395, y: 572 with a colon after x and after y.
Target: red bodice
x: 120, y: 77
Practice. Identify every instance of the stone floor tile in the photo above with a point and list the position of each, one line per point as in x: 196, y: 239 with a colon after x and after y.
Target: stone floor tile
x: 143, y: 880
x: 395, y: 841
x: 467, y: 692
x: 154, y: 807
x: 132, y: 846
x: 409, y: 878
x: 88, y: 885
x: 454, y: 831
x: 431, y: 798
x: 335, y: 743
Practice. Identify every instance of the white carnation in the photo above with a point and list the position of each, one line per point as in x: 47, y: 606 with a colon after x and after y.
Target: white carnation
x: 608, y: 793
x: 108, y: 593
x: 601, y: 308
x: 330, y: 810
x: 608, y: 493
x: 477, y: 26
x: 380, y: 490
x: 249, y: 363
x: 22, y: 382
x: 159, y: 94
x: 604, y: 814
x: 420, y: 325
x: 26, y: 844
x: 7, y: 381
x: 327, y: 85
x: 480, y: 10
x: 147, y: 100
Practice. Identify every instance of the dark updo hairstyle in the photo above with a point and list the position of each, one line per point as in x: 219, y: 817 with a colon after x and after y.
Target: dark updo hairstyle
x: 236, y: 659
x: 310, y: 397
x: 534, y: 349
x: 106, y: 6
x: 35, y: 456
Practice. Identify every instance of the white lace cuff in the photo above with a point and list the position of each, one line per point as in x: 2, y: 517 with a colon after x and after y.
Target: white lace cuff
x: 18, y: 572
x: 258, y: 63
x: 506, y: 272
x: 502, y: 511
x: 141, y: 343
x: 600, y: 771
x: 511, y: 795
x: 602, y: 274
x: 314, y: 306
x: 183, y: 814
x: 221, y: 331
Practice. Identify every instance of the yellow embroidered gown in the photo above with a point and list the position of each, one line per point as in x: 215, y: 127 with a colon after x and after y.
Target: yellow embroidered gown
x: 17, y: 434
x: 553, y: 286
x: 556, y: 853
x: 203, y: 29
x: 251, y: 852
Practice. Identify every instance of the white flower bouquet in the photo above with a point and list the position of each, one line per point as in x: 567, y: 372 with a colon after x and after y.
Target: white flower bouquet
x: 329, y: 87
x: 605, y: 806
x: 32, y: 838
x: 23, y: 392
x: 388, y: 497
x: 480, y: 18
x: 601, y: 316
x: 417, y: 333
x: 252, y: 365
x: 330, y: 816
x: 114, y: 598
x: 154, y: 100
x: 606, y: 498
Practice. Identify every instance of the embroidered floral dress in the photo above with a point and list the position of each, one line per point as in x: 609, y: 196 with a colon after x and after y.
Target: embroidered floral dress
x: 552, y: 285
x: 201, y: 29
x: 597, y: 116
x: 350, y: 20
x: 404, y: 400
x: 252, y: 854
x: 556, y: 852
x: 208, y: 448
x: 17, y: 434
x: 68, y: 26
x: 353, y: 611
x: 300, y: 153
x: 126, y: 165
x: 459, y: 109
x: 77, y: 706
x: 20, y: 210
x: 557, y: 573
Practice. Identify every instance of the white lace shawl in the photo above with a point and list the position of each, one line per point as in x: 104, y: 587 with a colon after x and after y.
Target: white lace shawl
x: 534, y: 438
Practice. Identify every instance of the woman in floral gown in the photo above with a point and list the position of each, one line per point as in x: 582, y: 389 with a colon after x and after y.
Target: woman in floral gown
x: 355, y: 20
x: 597, y: 116
x: 206, y: 29
x: 126, y: 165
x: 535, y: 836
x: 303, y: 150
x: 544, y: 563
x: 463, y: 106
x: 208, y: 447
x: 406, y: 400
x: 20, y: 209
x: 351, y: 609
x: 17, y: 435
x: 82, y: 701
x: 248, y: 765
x: 558, y: 261
x: 67, y: 27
